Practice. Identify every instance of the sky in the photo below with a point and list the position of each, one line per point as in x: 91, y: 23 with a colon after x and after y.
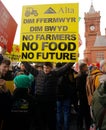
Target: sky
x: 15, y: 9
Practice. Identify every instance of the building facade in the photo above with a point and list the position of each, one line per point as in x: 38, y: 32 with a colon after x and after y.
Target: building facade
x: 95, y: 43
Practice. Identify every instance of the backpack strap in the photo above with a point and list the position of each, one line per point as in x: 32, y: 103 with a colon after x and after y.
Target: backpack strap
x: 90, y: 85
x: 96, y: 74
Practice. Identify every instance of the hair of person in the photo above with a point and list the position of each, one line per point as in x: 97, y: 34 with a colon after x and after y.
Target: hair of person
x: 82, y: 65
x: 58, y: 65
x: 39, y: 65
x: 102, y: 62
x: 6, y: 61
x: 48, y: 64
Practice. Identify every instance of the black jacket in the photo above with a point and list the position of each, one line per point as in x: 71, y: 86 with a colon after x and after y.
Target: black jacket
x: 22, y: 109
x: 66, y: 85
x: 81, y: 88
x: 46, y: 84
x: 5, y: 104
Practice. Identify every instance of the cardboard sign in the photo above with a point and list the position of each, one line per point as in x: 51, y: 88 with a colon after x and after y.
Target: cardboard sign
x: 49, y: 33
x: 14, y: 56
x: 8, y: 28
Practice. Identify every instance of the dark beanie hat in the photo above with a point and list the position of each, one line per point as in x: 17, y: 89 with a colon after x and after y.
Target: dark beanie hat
x: 23, y: 81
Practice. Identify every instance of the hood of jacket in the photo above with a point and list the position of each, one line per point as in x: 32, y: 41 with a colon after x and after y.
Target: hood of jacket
x: 101, y: 93
x: 95, y: 72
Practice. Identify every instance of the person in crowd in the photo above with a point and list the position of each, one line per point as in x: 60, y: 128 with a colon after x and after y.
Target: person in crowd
x: 103, y: 66
x: 98, y: 101
x: 5, y: 105
x: 5, y: 73
x: 99, y: 105
x: 92, y: 81
x: 84, y: 108
x: 66, y: 90
x: 21, y: 70
x: 45, y: 93
x: 22, y: 104
x: 39, y: 66
x: 5, y: 95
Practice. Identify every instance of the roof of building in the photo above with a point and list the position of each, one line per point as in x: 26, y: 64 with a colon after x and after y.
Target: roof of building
x: 91, y: 10
x: 100, y: 41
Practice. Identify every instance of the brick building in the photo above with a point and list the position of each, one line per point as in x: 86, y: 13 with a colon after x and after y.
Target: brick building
x: 95, y: 43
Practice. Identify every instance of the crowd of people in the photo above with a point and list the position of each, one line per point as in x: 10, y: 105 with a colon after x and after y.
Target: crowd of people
x: 43, y: 95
